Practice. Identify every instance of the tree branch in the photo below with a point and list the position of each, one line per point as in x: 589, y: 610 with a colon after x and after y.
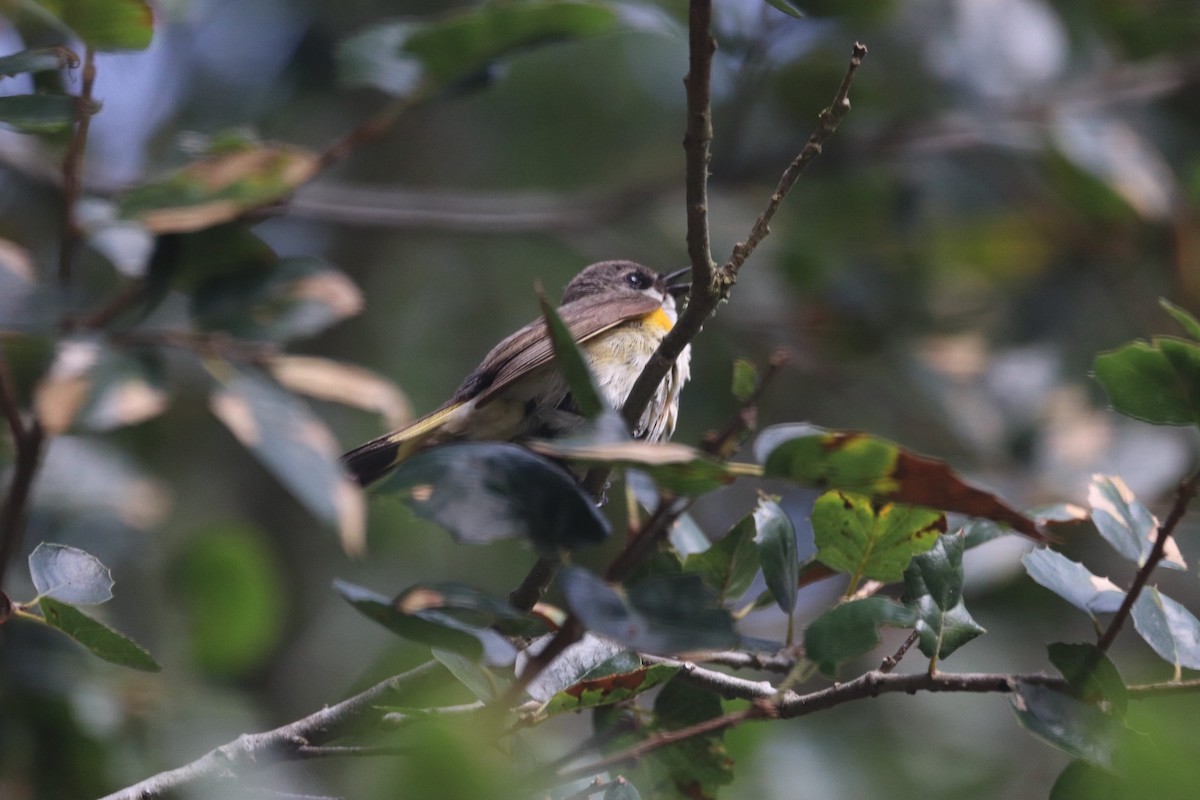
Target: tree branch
x: 664, y: 738
x: 73, y: 168
x: 829, y: 120
x: 723, y: 445
x: 697, y: 136
x: 27, y: 447
x: 710, y: 287
x: 291, y: 742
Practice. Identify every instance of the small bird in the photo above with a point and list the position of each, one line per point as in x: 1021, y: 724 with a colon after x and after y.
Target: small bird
x: 618, y: 312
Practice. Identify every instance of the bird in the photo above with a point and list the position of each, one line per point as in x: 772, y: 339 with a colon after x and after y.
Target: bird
x: 617, y: 311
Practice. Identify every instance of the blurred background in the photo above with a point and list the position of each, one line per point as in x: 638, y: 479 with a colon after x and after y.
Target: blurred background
x: 1013, y: 191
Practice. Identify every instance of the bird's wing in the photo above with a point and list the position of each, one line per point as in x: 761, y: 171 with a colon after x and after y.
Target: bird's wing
x: 530, y: 347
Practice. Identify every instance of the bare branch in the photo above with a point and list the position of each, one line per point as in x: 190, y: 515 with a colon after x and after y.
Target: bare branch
x: 723, y: 445
x: 294, y: 741
x: 697, y: 136
x: 782, y: 662
x: 366, y: 131
x: 73, y: 168
x: 893, y: 660
x: 8, y: 401
x: 664, y: 738
x: 709, y: 288
x: 27, y: 447
x: 829, y: 120
x: 506, y: 212
x: 205, y: 343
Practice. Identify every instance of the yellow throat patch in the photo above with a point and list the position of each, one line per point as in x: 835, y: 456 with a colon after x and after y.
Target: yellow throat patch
x: 659, y: 319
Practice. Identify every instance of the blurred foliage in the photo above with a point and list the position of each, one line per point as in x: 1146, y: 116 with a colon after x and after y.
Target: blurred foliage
x: 1012, y: 193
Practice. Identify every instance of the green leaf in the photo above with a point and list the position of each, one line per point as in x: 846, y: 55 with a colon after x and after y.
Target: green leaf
x: 419, y: 614
x: 1156, y: 382
x: 789, y: 7
x: 851, y: 536
x: 407, y: 58
x: 731, y: 563
x: 669, y: 614
x: 295, y: 446
x: 92, y: 386
x: 1077, y: 728
x: 102, y: 640
x: 745, y: 379
x: 106, y: 25
x: 1126, y: 524
x: 1168, y: 627
x: 219, y: 188
x: 1091, y: 674
x: 69, y: 575
x: 1185, y: 319
x: 232, y: 589
x: 933, y: 585
x: 41, y: 59
x: 1073, y: 582
x: 479, y: 678
x: 484, y: 491
x: 296, y: 297
x: 38, y: 113
x: 608, y: 688
x: 572, y: 364
x: 864, y: 464
x: 775, y: 537
x: 851, y: 629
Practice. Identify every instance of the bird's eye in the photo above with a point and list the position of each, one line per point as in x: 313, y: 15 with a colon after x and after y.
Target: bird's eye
x: 638, y: 280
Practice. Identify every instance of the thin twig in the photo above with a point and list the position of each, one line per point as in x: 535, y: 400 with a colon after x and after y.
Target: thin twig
x: 366, y: 131
x: 285, y: 743
x: 8, y: 401
x: 73, y: 168
x: 129, y: 294
x: 205, y: 343
x: 829, y: 120
x: 535, y: 584
x: 12, y: 514
x: 1183, y: 496
x: 697, y: 137
x: 724, y: 444
x: 708, y: 290
x: 1148, y: 690
x: 782, y: 662
x: 27, y: 447
x: 505, y: 212
x: 665, y: 738
x: 891, y: 661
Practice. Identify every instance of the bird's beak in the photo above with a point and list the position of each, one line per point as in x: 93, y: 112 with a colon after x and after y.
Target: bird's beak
x: 673, y: 286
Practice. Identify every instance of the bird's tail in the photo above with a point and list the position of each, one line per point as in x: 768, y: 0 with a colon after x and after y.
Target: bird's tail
x: 369, y: 462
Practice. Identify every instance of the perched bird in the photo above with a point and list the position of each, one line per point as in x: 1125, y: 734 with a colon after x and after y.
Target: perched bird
x: 618, y: 312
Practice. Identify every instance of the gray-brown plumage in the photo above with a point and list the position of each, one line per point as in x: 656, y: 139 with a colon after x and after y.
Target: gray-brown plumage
x: 618, y: 311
